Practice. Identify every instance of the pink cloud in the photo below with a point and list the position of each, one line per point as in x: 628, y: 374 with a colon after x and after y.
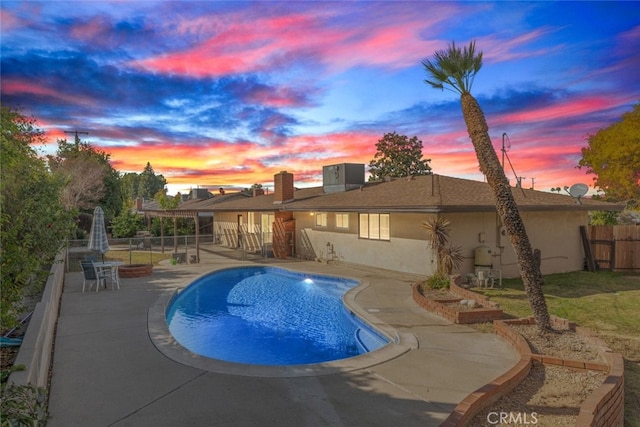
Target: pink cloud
x: 17, y: 86
x: 631, y: 37
x: 577, y: 107
x: 238, y: 45
x: 242, y: 44
x: 92, y: 29
x: 9, y: 21
x: 274, y: 97
x: 501, y: 49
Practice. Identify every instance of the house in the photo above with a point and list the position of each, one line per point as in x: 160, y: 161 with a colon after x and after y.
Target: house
x: 379, y: 223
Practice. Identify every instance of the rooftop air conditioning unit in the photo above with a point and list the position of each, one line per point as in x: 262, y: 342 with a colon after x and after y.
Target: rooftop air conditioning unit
x: 342, y: 177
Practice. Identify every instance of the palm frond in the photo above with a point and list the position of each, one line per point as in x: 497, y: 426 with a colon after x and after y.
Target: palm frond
x: 438, y: 230
x: 454, y: 68
x: 451, y: 258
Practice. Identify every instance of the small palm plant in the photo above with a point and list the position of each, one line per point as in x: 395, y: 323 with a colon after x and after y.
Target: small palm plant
x: 449, y: 257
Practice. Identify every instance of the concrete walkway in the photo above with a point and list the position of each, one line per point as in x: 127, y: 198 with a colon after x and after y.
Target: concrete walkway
x: 108, y: 372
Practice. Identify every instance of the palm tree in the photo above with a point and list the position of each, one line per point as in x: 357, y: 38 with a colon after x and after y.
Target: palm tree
x: 454, y: 69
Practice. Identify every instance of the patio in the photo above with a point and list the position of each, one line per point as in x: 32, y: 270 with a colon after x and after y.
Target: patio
x: 106, y: 370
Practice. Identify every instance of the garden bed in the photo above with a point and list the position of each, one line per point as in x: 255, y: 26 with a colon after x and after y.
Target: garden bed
x: 135, y: 270
x: 565, y: 378
x: 457, y: 304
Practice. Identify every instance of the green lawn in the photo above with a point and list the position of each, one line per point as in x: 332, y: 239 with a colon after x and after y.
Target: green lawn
x: 607, y: 303
x: 128, y: 257
x: 138, y: 257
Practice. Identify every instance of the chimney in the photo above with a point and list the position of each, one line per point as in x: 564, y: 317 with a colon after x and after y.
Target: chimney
x: 283, y: 183
x: 258, y: 192
x: 138, y: 203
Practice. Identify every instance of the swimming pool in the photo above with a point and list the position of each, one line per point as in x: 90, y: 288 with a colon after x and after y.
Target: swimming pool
x: 269, y: 316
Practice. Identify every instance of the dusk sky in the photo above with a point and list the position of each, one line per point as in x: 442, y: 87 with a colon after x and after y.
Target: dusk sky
x: 226, y: 94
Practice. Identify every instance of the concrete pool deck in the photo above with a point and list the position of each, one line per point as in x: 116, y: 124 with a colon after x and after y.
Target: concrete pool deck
x: 108, y: 372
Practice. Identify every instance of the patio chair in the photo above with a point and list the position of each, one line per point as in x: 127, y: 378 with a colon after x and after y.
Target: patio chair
x: 90, y: 274
x: 108, y: 272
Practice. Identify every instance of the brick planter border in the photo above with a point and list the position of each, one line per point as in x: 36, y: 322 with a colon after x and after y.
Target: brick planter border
x: 135, y: 270
x: 489, y: 311
x: 604, y: 407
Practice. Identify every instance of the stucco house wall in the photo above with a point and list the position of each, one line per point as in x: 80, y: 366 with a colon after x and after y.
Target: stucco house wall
x: 555, y: 233
x: 406, y: 255
x: 406, y: 250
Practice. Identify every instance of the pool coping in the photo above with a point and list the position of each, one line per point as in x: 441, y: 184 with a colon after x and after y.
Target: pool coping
x: 164, y: 342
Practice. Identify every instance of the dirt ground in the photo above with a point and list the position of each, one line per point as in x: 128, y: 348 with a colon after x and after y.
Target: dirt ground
x: 550, y: 395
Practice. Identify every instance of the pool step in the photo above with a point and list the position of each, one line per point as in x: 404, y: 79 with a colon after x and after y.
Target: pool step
x: 367, y: 340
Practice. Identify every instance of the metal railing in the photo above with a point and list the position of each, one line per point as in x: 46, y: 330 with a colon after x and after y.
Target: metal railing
x: 226, y: 241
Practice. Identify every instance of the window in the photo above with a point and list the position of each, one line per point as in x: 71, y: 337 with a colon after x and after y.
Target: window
x: 342, y: 220
x: 267, y: 221
x: 374, y: 226
x: 321, y: 219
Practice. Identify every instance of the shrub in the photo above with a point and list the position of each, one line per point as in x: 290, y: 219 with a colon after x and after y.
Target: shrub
x: 438, y: 281
x: 23, y: 405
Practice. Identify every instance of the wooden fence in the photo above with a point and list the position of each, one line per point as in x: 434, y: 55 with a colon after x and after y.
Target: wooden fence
x: 615, y: 247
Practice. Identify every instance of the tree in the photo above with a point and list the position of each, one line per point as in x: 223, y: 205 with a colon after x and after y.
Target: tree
x: 603, y: 218
x: 455, y: 69
x: 613, y: 155
x: 129, y: 184
x: 249, y: 191
x: 126, y: 224
x: 398, y: 156
x: 33, y: 221
x: 166, y: 201
x: 149, y: 183
x: 89, y: 178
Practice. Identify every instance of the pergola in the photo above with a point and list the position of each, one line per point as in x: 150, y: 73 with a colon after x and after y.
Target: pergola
x: 175, y: 214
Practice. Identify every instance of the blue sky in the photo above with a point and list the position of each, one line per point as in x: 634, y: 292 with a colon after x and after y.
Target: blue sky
x: 226, y: 94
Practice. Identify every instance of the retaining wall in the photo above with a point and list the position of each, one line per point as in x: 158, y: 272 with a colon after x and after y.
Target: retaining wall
x: 489, y: 311
x: 37, y: 344
x: 603, y: 408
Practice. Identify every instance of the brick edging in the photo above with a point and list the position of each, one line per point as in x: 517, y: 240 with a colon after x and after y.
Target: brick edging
x: 135, y: 270
x: 492, y: 392
x: 604, y: 407
x: 489, y: 312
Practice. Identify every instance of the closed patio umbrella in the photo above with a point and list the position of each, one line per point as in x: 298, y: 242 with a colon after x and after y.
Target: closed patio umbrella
x: 98, y: 241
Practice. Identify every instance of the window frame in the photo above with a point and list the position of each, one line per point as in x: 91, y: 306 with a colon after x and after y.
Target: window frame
x: 320, y: 220
x: 342, y: 218
x: 374, y: 226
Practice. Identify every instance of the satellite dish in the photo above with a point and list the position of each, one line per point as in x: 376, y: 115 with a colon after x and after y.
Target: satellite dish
x: 578, y: 190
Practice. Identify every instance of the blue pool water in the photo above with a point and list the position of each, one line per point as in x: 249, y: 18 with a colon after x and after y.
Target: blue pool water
x: 269, y: 316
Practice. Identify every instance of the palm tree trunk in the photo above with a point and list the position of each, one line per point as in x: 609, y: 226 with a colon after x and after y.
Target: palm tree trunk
x: 507, y: 209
